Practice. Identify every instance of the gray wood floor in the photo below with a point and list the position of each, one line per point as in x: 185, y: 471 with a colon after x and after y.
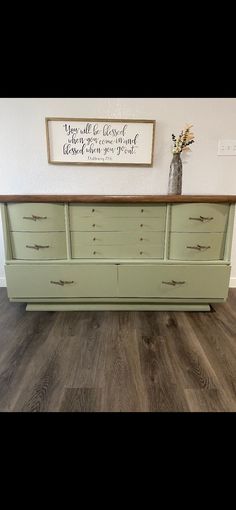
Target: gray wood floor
x: 117, y: 361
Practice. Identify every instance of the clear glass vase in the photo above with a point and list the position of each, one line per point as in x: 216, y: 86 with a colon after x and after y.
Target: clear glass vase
x: 175, y: 176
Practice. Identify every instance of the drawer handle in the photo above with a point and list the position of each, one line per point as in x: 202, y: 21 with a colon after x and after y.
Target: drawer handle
x: 141, y: 210
x: 93, y: 225
x: 141, y: 239
x: 61, y: 282
x: 141, y: 252
x: 94, y: 239
x: 94, y: 253
x: 173, y: 282
x: 34, y: 218
x: 141, y: 225
x: 202, y: 218
x: 93, y: 210
x: 36, y: 246
x: 198, y: 247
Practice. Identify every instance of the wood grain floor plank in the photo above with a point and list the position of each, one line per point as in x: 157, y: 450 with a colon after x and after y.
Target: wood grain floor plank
x: 123, y: 389
x: 206, y: 401
x: 52, y: 367
x: 89, y: 350
x: 81, y: 400
x: 18, y: 365
x: 117, y: 361
x: 10, y: 318
x: 218, y: 348
x: 226, y: 317
x: 189, y: 362
x: 164, y: 392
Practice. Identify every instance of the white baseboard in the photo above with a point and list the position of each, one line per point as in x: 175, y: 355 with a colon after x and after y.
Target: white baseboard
x: 2, y: 282
x: 232, y: 282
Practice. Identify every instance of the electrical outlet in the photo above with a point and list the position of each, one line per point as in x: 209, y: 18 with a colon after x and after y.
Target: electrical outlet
x: 226, y: 148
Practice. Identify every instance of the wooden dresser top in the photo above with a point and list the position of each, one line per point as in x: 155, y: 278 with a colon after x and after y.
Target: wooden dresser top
x: 119, y: 198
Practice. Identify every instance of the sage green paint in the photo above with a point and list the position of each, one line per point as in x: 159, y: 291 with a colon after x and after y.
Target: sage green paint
x: 190, y: 246
x: 51, y: 245
x: 122, y: 300
x: 36, y: 281
x: 229, y: 235
x: 101, y: 211
x: 120, y: 278
x: 147, y: 238
x: 117, y: 244
x: 139, y: 251
x: 55, y: 307
x: 118, y: 224
x: 53, y: 217
x: 119, y: 261
x: 6, y: 233
x: 167, y: 227
x: 181, y: 214
x: 199, y: 281
x: 67, y: 226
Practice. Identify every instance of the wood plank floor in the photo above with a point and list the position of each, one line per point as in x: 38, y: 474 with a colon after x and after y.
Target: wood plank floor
x: 117, y: 361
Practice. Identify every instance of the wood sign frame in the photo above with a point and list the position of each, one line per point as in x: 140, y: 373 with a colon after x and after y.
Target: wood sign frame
x: 113, y: 142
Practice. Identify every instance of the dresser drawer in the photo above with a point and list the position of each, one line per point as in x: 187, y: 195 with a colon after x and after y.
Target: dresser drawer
x: 118, y: 251
x: 199, y: 217
x: 99, y: 211
x: 173, y: 281
x: 116, y: 238
x: 36, y: 217
x: 56, y: 281
x: 38, y: 245
x: 199, y: 246
x: 118, y: 224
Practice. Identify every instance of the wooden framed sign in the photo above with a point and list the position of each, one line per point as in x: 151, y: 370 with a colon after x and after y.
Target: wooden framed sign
x: 117, y: 142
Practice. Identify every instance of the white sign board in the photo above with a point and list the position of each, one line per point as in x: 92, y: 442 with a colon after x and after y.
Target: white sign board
x: 100, y: 141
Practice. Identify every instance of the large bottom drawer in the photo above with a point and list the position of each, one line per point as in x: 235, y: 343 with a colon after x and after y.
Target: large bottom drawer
x: 56, y: 281
x: 174, y: 281
x: 125, y: 280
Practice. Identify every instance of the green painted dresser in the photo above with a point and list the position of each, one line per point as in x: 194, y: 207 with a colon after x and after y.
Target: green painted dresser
x: 117, y: 252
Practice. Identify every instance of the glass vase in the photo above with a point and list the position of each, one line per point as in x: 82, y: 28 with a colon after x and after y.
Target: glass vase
x: 175, y: 176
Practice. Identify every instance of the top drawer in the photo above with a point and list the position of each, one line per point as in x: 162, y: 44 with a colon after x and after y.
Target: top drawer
x: 102, y: 211
x: 36, y: 217
x: 199, y: 217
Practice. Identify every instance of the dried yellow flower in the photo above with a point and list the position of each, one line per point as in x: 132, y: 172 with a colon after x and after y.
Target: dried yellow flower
x: 183, y: 140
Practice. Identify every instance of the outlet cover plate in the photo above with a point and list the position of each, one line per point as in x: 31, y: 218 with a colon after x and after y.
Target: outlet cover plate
x: 226, y: 148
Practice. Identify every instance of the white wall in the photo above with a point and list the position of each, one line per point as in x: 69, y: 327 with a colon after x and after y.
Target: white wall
x: 23, y: 157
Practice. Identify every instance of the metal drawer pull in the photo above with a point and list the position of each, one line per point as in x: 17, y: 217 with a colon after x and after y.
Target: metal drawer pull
x: 173, y: 282
x: 36, y: 246
x: 199, y: 247
x: 202, y: 218
x: 141, y: 252
x: 141, y: 225
x: 141, y: 239
x: 141, y: 210
x: 94, y: 253
x: 94, y: 239
x: 34, y: 218
x: 93, y: 210
x: 93, y: 225
x: 61, y: 282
